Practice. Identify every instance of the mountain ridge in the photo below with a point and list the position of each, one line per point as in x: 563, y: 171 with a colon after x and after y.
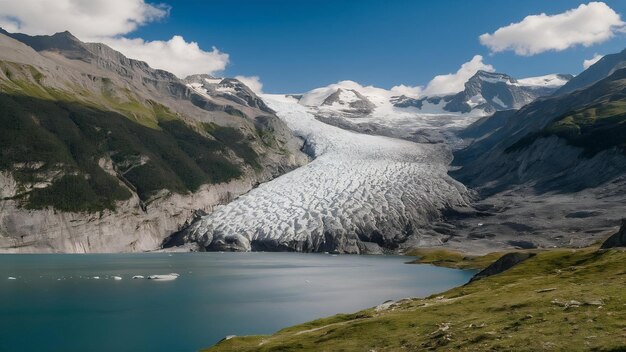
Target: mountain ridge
x: 167, y: 151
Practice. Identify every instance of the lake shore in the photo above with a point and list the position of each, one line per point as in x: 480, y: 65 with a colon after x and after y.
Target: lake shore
x: 569, y: 299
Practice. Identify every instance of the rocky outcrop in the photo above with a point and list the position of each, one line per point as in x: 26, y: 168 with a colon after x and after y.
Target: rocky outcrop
x: 503, y: 264
x: 350, y: 101
x: 616, y: 240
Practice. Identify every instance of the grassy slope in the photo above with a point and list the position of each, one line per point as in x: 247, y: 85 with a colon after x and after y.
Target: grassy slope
x: 64, y: 135
x: 452, y: 259
x: 528, y: 308
x: 594, y: 128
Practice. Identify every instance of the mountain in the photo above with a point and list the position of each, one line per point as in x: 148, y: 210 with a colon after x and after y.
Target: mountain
x: 605, y: 67
x: 100, y: 152
x: 483, y: 94
x: 563, y: 143
x: 489, y: 92
x: 349, y: 101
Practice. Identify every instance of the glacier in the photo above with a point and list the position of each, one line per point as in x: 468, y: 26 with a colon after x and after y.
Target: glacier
x: 360, y: 194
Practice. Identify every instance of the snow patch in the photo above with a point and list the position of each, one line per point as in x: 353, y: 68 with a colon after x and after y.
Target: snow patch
x: 547, y: 81
x: 497, y: 100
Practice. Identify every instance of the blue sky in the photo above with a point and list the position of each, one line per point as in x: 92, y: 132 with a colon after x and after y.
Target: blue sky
x: 295, y: 46
x: 298, y: 45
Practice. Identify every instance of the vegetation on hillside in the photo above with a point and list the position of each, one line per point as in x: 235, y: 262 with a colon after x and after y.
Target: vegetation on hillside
x: 594, y: 129
x: 562, y: 300
x: 55, y: 145
x: 452, y: 259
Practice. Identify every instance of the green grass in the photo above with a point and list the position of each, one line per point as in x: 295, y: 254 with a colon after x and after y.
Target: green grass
x: 527, y: 308
x: 76, y: 193
x: 593, y: 129
x: 452, y: 259
x: 70, y: 138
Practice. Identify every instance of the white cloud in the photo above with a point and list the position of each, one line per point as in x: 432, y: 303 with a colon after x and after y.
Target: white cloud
x: 108, y: 21
x: 408, y: 91
x: 585, y: 25
x: 85, y: 19
x: 593, y: 60
x: 252, y: 82
x: 175, y: 55
x: 455, y: 82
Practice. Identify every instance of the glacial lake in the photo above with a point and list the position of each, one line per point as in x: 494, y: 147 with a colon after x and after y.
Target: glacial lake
x: 55, y: 304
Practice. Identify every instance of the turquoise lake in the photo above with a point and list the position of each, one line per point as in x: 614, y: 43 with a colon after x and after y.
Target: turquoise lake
x: 55, y: 304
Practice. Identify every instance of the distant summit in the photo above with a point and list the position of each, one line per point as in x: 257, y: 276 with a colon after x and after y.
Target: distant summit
x: 490, y: 92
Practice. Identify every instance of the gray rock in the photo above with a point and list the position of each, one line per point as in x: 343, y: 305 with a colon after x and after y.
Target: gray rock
x: 503, y: 264
x: 616, y: 240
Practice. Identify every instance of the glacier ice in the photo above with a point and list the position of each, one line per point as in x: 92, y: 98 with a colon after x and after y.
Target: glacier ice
x: 361, y: 193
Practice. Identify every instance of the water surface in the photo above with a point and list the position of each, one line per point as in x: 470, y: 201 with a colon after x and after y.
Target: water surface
x: 55, y: 304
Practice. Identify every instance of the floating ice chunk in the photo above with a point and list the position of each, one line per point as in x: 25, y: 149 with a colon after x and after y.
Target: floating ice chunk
x: 11, y: 278
x: 138, y: 277
x: 164, y: 277
x: 96, y: 277
x: 117, y: 278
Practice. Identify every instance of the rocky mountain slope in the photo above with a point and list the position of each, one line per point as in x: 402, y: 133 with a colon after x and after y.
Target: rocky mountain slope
x: 605, y: 67
x: 100, y: 152
x: 567, y: 142
x: 550, y: 174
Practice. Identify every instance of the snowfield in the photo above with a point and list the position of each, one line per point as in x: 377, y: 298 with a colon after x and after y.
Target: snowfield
x: 359, y: 193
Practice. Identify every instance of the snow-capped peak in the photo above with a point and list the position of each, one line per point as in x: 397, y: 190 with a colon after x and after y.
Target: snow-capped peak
x: 554, y: 80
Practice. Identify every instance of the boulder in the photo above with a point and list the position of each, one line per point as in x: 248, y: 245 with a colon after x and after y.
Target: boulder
x: 505, y: 262
x: 618, y: 239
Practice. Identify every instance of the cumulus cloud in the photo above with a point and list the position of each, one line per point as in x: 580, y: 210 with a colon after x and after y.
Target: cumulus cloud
x: 408, y: 91
x: 176, y: 55
x: 455, y: 82
x: 85, y: 19
x: 108, y: 21
x: 585, y: 25
x: 252, y: 82
x: 593, y: 60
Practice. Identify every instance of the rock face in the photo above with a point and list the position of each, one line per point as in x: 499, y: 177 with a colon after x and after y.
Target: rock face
x: 505, y: 262
x: 101, y: 153
x: 350, y: 101
x: 618, y: 239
